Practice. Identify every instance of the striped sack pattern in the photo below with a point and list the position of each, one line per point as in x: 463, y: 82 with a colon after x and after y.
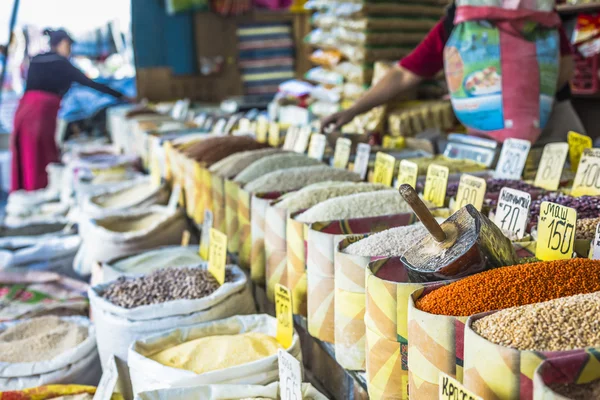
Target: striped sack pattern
x: 275, y: 249
x: 218, y: 202
x: 232, y: 191
x: 296, y: 233
x: 577, y: 368
x: 243, y: 228
x: 257, y: 235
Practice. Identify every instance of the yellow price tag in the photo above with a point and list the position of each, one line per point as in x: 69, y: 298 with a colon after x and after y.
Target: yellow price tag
x: 262, y: 129
x: 451, y: 389
x: 205, y: 234
x: 185, y: 238
x: 551, y: 166
x: 471, y: 190
x: 408, y: 173
x: 274, y: 134
x: 384, y: 168
x: 341, y: 155
x: 390, y: 142
x: 577, y: 143
x: 436, y: 184
x: 285, y: 319
x: 587, y: 179
x: 556, y: 232
x: 217, y: 255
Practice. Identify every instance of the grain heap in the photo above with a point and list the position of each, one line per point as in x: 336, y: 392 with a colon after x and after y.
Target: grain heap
x: 389, y: 243
x: 132, y: 223
x: 218, y: 352
x: 294, y: 178
x: 494, y: 185
x: 163, y: 285
x: 586, y: 228
x: 40, y: 339
x: 274, y: 163
x: 210, y: 150
x: 454, y: 166
x: 125, y: 197
x: 360, y: 205
x: 311, y: 195
x: 586, y: 206
x: 574, y: 391
x: 566, y: 323
x: 513, y: 286
x: 230, y: 166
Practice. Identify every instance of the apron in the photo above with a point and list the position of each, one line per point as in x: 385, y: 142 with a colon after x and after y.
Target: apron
x: 32, y: 142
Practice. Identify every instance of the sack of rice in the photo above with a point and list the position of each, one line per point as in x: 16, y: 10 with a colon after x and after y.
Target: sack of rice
x: 294, y: 178
x: 46, y: 350
x: 236, y: 350
x: 214, y: 149
x: 140, y: 194
x: 148, y: 261
x: 226, y: 392
x: 21, y: 201
x: 86, y: 187
x: 131, y: 308
x: 127, y: 233
x: 273, y: 163
x: 230, y: 166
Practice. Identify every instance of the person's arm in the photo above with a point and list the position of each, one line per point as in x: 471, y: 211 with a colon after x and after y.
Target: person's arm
x: 77, y: 76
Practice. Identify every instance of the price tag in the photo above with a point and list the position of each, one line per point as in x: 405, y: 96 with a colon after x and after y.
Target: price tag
x: 274, y: 134
x: 451, y: 389
x: 471, y: 190
x: 290, y: 138
x: 262, y: 129
x: 512, y: 211
x: 384, y: 168
x: 155, y: 173
x: 512, y: 159
x: 207, y: 225
x: 244, y: 126
x: 175, y: 197
x: 110, y: 376
x: 587, y: 179
x: 217, y: 255
x: 436, y: 184
x: 577, y: 143
x: 316, y: 149
x: 302, y: 140
x: 361, y: 161
x: 408, y: 173
x: 285, y: 319
x: 596, y: 245
x: 390, y: 142
x: 556, y: 232
x: 551, y: 166
x: 185, y: 239
x: 290, y: 376
x: 219, y: 128
x: 341, y: 155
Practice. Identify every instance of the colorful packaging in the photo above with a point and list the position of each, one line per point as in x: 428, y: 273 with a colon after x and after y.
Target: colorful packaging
x: 575, y: 369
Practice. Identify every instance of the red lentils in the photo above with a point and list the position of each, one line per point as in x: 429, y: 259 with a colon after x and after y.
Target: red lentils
x: 513, y: 286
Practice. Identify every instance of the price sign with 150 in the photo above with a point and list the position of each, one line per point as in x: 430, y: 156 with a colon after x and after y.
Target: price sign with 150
x: 556, y: 232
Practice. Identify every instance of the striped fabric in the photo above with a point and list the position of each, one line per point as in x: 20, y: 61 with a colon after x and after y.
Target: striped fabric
x: 266, y: 56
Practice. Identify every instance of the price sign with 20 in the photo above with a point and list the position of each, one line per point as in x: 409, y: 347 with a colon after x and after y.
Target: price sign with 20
x: 556, y: 232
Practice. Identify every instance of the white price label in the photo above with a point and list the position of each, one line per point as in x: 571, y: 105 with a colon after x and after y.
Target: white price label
x: 302, y: 140
x: 219, y: 128
x: 290, y: 376
x: 512, y: 211
x: 512, y: 159
x: 361, y: 161
x: 341, y: 155
x: 316, y: 149
x: 596, y: 245
x: 110, y: 376
x: 290, y: 138
x: 174, y: 199
x: 207, y: 224
x: 551, y: 166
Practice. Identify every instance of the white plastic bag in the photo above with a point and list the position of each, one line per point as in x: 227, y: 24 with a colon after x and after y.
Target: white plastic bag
x: 118, y: 327
x: 79, y: 365
x: 147, y: 374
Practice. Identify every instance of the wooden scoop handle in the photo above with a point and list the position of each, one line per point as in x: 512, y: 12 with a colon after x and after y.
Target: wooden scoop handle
x: 412, y: 198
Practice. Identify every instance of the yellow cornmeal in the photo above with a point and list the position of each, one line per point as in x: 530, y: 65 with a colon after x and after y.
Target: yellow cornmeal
x: 218, y: 352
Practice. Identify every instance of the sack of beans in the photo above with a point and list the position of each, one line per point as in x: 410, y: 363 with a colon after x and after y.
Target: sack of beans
x: 226, y: 392
x: 575, y: 377
x: 140, y: 194
x: 47, y: 350
x: 215, y: 148
x: 505, y: 347
x: 130, y: 308
x: 237, y: 350
x: 126, y: 233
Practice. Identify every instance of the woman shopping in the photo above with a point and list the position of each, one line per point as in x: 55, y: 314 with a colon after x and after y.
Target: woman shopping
x: 32, y: 143
x: 507, y: 70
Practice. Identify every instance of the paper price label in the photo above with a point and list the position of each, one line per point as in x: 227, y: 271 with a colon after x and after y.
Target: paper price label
x: 361, y: 161
x: 451, y: 389
x: 512, y: 159
x: 436, y: 184
x: 551, y: 166
x: 219, y: 128
x: 341, y: 155
x: 577, y: 143
x: 207, y: 225
x: 556, y: 232
x: 175, y: 198
x: 596, y: 245
x: 587, y: 179
x: 110, y: 376
x: 408, y: 173
x: 217, y: 255
x: 512, y: 211
x: 244, y: 126
x: 316, y: 149
x: 185, y: 239
x: 290, y: 376
x: 384, y: 169
x: 285, y: 318
x: 262, y: 129
x: 274, y: 132
x: 302, y: 140
x: 290, y: 138
x: 471, y: 190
